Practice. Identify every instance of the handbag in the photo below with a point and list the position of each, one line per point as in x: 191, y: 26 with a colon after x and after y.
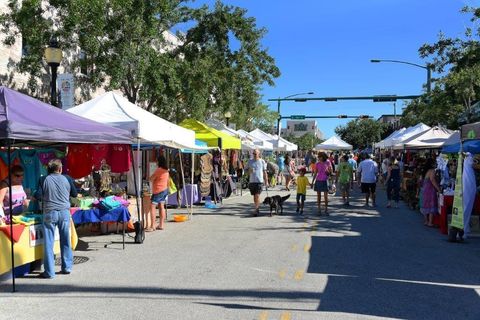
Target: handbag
x: 172, y: 188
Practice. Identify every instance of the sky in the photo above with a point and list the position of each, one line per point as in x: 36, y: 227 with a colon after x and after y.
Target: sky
x: 326, y: 46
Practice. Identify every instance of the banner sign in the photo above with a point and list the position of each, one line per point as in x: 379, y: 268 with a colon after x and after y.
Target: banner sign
x: 67, y: 90
x: 37, y: 237
x: 457, y: 211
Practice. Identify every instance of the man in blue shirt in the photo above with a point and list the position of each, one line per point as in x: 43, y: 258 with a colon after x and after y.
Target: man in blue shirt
x: 55, y: 196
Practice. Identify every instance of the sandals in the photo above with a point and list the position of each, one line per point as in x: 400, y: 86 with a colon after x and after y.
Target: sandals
x: 149, y: 230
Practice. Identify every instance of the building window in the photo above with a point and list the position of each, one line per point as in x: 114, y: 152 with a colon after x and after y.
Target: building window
x: 25, y: 47
x: 83, y: 62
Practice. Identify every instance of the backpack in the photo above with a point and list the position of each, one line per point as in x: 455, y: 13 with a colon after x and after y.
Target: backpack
x: 139, y: 232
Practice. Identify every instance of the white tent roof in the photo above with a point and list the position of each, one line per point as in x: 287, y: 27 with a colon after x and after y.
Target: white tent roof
x: 247, y: 144
x: 408, y: 135
x: 433, y: 138
x: 279, y: 143
x: 116, y: 111
x: 333, y: 143
x: 259, y: 143
x: 382, y: 144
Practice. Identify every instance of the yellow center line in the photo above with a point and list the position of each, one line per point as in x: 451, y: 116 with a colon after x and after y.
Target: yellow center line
x: 263, y: 315
x: 286, y: 316
x: 306, y: 248
x: 294, y: 248
x: 282, y: 273
x: 298, y: 275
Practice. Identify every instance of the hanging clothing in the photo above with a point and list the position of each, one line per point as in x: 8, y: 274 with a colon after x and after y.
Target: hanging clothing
x: 32, y: 169
x: 99, y: 154
x: 119, y: 158
x: 469, y: 191
x: 79, y: 160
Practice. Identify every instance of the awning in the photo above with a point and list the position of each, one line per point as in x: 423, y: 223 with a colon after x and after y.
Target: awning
x: 211, y: 136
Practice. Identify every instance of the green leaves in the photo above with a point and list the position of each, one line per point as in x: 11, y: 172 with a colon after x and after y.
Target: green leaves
x: 216, y: 65
x: 361, y: 133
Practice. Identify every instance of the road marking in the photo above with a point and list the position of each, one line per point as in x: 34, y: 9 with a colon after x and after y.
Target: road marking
x: 286, y: 316
x: 306, y: 248
x: 294, y: 248
x: 263, y: 315
x: 453, y: 285
x: 282, y: 274
x: 298, y: 275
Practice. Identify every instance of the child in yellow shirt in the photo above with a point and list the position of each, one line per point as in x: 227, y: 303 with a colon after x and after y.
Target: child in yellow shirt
x: 302, y: 183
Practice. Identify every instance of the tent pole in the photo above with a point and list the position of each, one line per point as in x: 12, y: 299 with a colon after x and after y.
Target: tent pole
x: 136, y: 179
x: 9, y: 163
x: 191, y: 190
x: 183, y: 178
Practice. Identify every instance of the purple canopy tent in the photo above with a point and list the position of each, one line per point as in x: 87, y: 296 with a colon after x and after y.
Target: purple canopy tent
x: 25, y: 119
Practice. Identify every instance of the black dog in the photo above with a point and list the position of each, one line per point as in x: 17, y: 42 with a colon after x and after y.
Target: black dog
x: 276, y: 202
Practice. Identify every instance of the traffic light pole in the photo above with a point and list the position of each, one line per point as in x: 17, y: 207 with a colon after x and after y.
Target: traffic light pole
x: 326, y: 117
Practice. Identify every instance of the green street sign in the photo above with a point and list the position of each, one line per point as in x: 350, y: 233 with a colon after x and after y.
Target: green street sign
x: 297, y: 117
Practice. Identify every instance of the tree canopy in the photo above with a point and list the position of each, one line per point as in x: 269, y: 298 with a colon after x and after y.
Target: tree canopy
x: 216, y: 65
x: 458, y: 88
x: 361, y: 133
x: 305, y: 142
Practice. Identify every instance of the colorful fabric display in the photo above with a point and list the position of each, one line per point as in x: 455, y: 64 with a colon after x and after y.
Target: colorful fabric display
x: 32, y: 169
x: 79, y: 160
x: 119, y: 158
x: 109, y: 203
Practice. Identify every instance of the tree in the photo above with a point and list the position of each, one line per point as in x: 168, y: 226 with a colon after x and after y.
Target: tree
x: 456, y: 91
x: 218, y: 65
x: 361, y: 133
x: 305, y: 142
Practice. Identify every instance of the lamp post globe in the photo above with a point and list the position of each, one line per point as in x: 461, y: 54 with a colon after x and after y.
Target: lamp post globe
x: 227, y: 115
x: 53, y: 56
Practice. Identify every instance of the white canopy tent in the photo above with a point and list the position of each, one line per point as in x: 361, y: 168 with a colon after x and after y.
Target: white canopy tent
x: 247, y: 144
x: 408, y: 135
x: 258, y: 142
x: 146, y: 128
x: 387, y: 141
x: 431, y: 139
x: 116, y: 111
x: 279, y: 143
x: 333, y: 143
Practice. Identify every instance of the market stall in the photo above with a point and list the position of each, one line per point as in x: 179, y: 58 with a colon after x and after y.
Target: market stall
x: 433, y: 138
x: 30, y: 122
x: 146, y: 129
x: 333, y: 143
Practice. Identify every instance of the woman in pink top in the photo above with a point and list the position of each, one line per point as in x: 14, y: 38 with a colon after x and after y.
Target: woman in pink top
x: 323, y: 169
x: 19, y: 197
x: 159, y: 181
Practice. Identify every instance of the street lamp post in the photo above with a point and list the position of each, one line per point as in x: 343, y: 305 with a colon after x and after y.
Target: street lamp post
x: 278, y: 107
x: 227, y: 115
x: 427, y: 67
x: 53, y: 56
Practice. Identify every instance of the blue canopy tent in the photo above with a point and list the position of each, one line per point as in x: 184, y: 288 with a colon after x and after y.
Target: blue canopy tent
x: 472, y: 146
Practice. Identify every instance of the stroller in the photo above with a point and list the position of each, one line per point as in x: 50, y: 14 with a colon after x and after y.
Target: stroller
x: 332, y: 188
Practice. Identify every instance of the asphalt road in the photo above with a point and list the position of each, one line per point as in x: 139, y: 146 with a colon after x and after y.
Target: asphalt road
x: 358, y: 263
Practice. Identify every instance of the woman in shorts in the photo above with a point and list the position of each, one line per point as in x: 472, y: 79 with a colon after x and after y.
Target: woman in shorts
x: 323, y: 169
x: 159, y: 181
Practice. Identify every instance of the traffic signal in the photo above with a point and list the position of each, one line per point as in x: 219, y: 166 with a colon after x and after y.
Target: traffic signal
x: 342, y: 116
x: 364, y: 116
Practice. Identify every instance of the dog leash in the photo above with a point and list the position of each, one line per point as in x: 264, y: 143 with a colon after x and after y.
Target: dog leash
x: 266, y: 190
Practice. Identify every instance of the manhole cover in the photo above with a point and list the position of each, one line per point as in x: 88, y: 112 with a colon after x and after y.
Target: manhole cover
x: 76, y: 260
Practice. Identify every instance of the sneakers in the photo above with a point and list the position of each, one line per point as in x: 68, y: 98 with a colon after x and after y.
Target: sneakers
x: 298, y: 209
x: 44, y: 275
x: 301, y: 211
x: 65, y: 272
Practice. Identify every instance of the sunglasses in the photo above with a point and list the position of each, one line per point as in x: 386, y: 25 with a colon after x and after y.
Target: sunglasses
x: 18, y: 175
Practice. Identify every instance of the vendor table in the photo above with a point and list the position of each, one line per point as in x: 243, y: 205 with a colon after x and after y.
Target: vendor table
x: 445, y: 203
x: 186, y: 196
x: 93, y: 215
x: 28, y: 246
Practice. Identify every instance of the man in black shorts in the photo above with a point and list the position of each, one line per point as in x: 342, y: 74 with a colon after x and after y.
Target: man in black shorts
x: 257, y: 169
x: 368, y: 171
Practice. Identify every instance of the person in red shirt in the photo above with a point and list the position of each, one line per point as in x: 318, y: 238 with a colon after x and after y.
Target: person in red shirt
x: 159, y: 181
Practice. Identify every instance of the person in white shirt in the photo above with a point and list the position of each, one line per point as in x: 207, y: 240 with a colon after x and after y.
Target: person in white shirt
x: 368, y: 171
